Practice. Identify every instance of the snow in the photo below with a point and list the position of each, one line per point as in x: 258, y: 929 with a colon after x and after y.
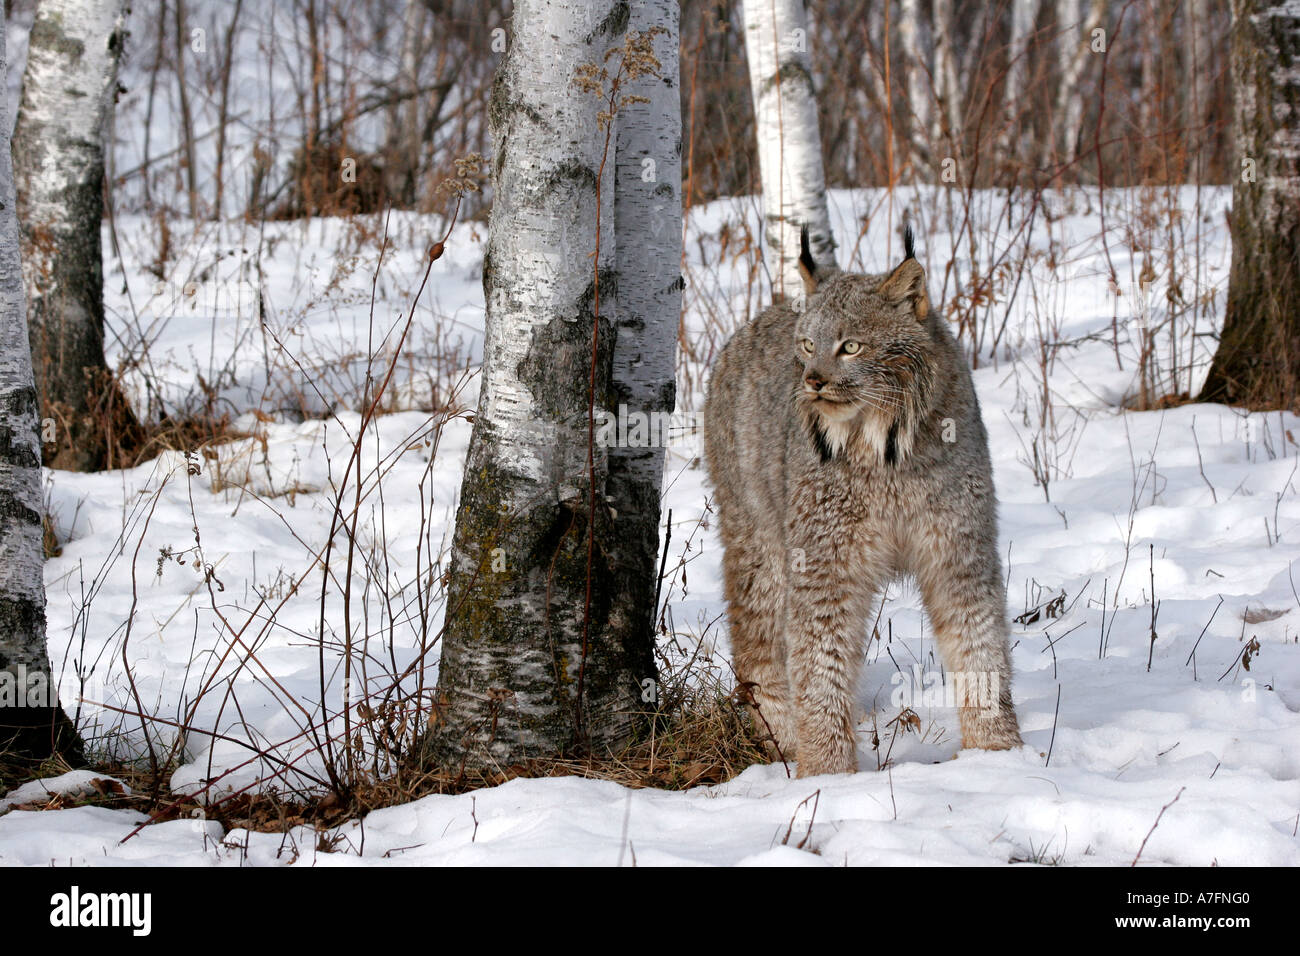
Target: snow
x: 1196, y: 502
x: 74, y: 783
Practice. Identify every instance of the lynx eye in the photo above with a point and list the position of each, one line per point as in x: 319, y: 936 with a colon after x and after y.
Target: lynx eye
x: 851, y: 348
x: 807, y: 346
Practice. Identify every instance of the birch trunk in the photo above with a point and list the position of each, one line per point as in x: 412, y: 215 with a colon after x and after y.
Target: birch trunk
x: 1257, y: 363
x: 648, y: 228
x: 404, y: 129
x: 223, y: 108
x: 1015, y: 90
x: 518, y: 679
x: 1197, y: 71
x: 1074, y: 48
x: 789, y: 144
x: 187, y: 116
x: 918, y: 85
x: 31, y: 723
x: 1148, y: 116
x: 58, y: 146
x: 949, y: 93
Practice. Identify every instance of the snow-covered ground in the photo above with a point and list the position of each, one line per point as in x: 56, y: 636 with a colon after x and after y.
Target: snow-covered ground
x: 1195, y: 505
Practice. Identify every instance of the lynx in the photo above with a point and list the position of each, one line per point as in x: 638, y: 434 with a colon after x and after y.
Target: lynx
x: 845, y: 446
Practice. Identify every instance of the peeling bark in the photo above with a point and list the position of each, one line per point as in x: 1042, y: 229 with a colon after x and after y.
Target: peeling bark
x: 514, y: 655
x: 58, y: 147
x: 648, y: 228
x: 32, y: 729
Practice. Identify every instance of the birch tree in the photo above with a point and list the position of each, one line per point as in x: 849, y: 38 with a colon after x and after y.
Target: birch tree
x: 918, y: 84
x: 1074, y: 45
x: 1015, y: 90
x: 1257, y: 363
x: 1197, y: 73
x: 548, y: 646
x: 789, y: 143
x: 1148, y: 105
x: 404, y: 129
x: 58, y: 146
x: 948, y: 92
x: 648, y: 256
x: 31, y: 723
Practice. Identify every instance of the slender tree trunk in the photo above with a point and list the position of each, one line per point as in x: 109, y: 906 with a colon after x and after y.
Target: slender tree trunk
x: 547, y: 647
x: 403, y: 137
x: 223, y: 108
x: 1149, y: 119
x: 68, y: 91
x: 1015, y: 90
x: 789, y: 144
x: 1257, y: 363
x: 1074, y: 47
x: 145, y: 159
x: 1197, y: 70
x: 187, y: 118
x: 648, y: 232
x: 949, y: 97
x: 32, y: 725
x: 919, y: 86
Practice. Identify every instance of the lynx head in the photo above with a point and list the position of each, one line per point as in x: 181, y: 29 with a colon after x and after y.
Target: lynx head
x: 868, y: 359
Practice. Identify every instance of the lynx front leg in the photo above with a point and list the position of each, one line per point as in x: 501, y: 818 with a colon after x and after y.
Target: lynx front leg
x: 961, y: 585
x: 756, y: 613
x: 825, y: 633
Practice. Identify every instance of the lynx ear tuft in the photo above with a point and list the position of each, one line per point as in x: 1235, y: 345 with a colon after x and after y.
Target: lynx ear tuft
x: 807, y: 265
x: 907, y: 282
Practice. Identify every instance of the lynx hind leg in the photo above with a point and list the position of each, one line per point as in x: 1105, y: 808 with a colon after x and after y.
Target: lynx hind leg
x: 755, y: 613
x: 961, y: 587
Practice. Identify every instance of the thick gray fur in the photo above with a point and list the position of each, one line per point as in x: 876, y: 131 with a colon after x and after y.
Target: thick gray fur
x: 825, y: 495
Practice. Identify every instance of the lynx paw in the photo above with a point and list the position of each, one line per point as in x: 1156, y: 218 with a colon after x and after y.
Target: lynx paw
x: 815, y: 765
x: 993, y: 739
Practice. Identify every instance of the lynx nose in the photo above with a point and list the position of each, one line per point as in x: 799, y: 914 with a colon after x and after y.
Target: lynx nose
x: 814, y: 381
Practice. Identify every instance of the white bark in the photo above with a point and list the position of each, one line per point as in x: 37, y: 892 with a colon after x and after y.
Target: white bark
x: 949, y: 94
x: 543, y: 223
x: 1268, y: 133
x: 919, y: 87
x: 1074, y: 46
x: 22, y: 585
x: 789, y: 143
x: 31, y: 723
x: 1257, y: 362
x: 648, y: 218
x: 525, y: 670
x: 58, y: 147
x: 68, y: 91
